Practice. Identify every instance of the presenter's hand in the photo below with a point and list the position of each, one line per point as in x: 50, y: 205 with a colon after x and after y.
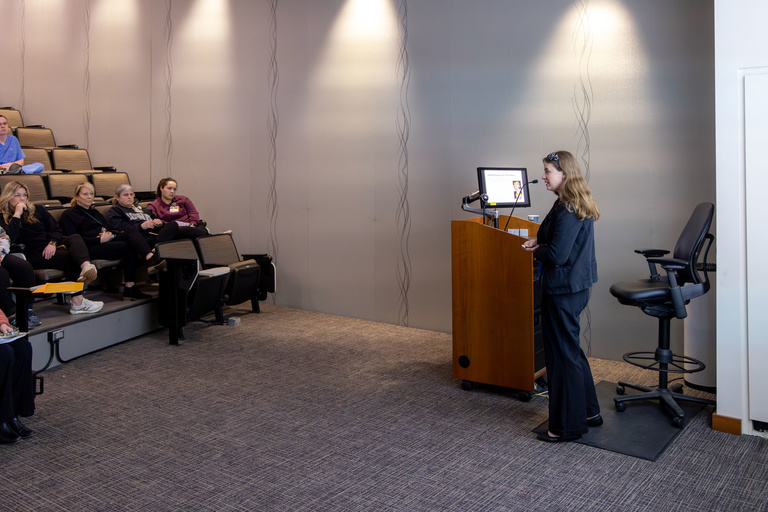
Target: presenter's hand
x: 5, y: 328
x: 530, y: 245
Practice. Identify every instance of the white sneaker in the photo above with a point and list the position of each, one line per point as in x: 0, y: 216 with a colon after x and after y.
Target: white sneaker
x: 87, y: 306
x: 88, y: 274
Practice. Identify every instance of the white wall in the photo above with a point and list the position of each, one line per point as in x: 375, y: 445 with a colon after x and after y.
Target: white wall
x: 497, y: 85
x: 739, y: 50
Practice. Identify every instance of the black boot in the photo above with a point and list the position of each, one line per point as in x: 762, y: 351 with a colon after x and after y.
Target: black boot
x: 19, y: 428
x: 7, y: 434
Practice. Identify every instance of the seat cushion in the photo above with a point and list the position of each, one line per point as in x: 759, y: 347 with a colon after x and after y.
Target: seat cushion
x: 45, y: 275
x: 641, y: 291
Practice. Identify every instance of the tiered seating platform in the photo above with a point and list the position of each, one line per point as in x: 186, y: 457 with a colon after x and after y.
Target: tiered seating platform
x: 79, y: 335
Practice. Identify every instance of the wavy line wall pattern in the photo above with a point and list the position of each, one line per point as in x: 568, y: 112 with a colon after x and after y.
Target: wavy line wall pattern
x: 87, y: 77
x: 403, y: 214
x: 582, y: 108
x: 273, y: 122
x: 23, y: 52
x: 583, y: 93
x: 168, y: 75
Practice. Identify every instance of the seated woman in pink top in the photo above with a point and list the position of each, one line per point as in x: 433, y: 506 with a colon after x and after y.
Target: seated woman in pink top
x: 170, y: 207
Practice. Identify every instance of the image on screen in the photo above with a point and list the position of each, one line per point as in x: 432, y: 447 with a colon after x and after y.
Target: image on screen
x: 506, y: 187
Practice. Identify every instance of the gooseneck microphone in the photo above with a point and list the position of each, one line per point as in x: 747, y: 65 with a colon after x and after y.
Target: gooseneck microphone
x: 517, y: 196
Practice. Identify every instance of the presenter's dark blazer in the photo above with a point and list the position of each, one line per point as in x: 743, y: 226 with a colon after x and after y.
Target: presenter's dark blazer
x: 567, y: 251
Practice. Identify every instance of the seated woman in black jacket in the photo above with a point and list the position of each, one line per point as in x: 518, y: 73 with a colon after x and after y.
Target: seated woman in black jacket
x: 126, y: 214
x: 44, y: 244
x: 85, y: 220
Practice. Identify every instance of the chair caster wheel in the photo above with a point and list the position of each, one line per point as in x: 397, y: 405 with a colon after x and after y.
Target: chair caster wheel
x: 678, y: 421
x: 524, y: 396
x: 620, y: 390
x: 466, y: 385
x: 621, y: 406
x: 677, y: 388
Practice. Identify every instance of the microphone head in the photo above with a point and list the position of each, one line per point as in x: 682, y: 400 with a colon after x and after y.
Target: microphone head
x: 534, y: 181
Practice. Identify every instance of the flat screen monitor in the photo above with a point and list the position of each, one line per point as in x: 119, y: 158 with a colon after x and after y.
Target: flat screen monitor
x: 506, y: 187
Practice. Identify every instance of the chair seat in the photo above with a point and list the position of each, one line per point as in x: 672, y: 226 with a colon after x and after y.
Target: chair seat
x: 45, y: 275
x: 104, y: 264
x: 638, y: 291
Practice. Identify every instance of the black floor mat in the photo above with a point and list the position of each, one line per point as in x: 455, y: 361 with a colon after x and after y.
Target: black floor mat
x: 644, y: 430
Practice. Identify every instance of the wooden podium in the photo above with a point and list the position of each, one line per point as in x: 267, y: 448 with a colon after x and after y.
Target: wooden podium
x: 493, y: 306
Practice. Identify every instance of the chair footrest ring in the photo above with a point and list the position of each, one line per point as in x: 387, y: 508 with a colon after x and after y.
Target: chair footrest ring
x: 677, y: 363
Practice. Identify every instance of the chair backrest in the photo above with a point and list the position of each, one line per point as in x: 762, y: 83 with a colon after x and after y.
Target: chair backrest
x: 217, y: 250
x: 104, y: 183
x: 40, y: 155
x: 691, y: 241
x: 56, y: 213
x: 35, y: 137
x: 13, y: 116
x: 103, y: 208
x: 34, y: 182
x: 72, y: 159
x: 176, y: 249
x: 63, y: 185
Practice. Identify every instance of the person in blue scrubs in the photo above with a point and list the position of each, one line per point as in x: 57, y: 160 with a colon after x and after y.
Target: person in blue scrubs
x: 565, y: 247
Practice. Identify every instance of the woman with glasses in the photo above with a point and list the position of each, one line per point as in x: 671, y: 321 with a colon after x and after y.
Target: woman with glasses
x: 565, y: 246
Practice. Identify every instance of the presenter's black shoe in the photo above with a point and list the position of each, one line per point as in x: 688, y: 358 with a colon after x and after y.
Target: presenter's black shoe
x: 133, y: 293
x: 7, y: 434
x: 20, y: 429
x: 597, y: 421
x: 544, y: 436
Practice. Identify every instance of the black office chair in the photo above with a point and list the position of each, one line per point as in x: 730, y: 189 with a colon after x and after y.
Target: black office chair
x: 665, y: 297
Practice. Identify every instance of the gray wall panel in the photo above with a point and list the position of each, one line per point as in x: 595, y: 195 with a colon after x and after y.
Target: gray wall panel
x: 497, y: 82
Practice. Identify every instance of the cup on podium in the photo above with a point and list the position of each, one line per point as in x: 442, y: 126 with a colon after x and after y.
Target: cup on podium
x: 533, y: 218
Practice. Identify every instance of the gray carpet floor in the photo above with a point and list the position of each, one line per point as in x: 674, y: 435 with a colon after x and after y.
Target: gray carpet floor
x: 297, y: 411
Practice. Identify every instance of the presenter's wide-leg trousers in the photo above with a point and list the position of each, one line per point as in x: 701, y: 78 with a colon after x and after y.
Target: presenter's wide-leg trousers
x: 572, y: 396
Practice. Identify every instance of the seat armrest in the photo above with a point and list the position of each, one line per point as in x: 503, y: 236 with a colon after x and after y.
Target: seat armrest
x: 672, y: 265
x: 652, y: 253
x: 669, y: 263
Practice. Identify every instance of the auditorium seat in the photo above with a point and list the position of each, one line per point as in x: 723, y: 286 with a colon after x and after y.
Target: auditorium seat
x: 105, y: 183
x: 220, y: 251
x: 62, y: 186
x: 13, y: 116
x: 36, y: 186
x: 186, y: 292
x: 72, y: 160
x: 35, y: 137
x: 39, y: 155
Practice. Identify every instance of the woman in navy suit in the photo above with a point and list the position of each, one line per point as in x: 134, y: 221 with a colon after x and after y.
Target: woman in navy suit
x: 565, y: 246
